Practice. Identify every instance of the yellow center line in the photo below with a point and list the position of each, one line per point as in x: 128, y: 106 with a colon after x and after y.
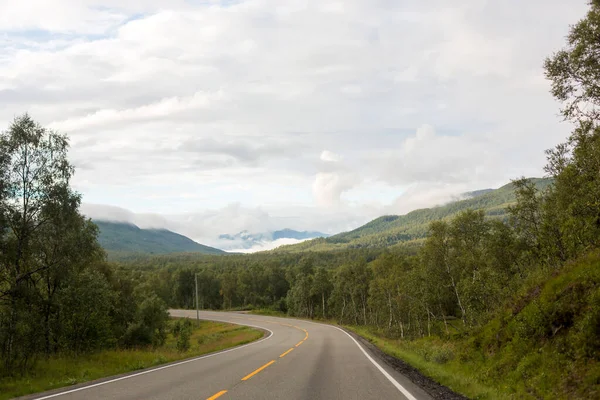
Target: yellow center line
x: 217, y: 395
x: 250, y: 375
x: 284, y: 354
x: 299, y: 343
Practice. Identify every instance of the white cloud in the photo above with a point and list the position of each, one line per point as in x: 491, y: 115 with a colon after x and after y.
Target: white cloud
x: 329, y: 156
x: 425, y: 196
x: 430, y: 157
x: 185, y: 107
x: 333, y: 179
x: 329, y: 186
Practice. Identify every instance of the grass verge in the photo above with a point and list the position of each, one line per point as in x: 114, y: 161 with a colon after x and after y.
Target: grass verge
x: 61, y: 371
x: 434, y: 358
x: 268, y: 312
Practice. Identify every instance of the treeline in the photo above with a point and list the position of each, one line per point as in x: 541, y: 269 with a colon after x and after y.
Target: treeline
x: 57, y: 294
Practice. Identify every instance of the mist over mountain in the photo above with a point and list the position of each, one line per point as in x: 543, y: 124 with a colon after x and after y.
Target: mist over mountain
x: 247, y: 241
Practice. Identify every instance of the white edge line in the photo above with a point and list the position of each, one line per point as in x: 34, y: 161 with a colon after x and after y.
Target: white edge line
x: 390, y: 378
x: 166, y: 366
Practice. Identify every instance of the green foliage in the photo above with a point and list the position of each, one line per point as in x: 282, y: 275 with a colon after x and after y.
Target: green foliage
x: 149, y: 325
x: 184, y: 332
x: 575, y: 70
x: 86, y: 302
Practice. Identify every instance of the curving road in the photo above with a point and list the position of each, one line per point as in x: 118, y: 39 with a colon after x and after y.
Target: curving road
x: 296, y: 360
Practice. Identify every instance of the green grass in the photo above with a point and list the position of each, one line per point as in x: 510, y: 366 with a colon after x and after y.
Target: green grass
x: 268, y: 312
x: 61, y: 371
x: 434, y: 358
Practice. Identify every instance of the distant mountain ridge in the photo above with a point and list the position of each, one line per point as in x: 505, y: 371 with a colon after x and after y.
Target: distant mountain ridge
x: 246, y: 239
x: 122, y: 238
x: 390, y: 230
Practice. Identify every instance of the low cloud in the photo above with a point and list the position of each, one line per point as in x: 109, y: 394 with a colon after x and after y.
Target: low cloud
x: 430, y: 157
x: 333, y: 179
x: 264, y: 246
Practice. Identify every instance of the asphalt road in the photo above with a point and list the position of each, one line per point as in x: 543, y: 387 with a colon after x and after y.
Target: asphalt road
x: 297, y: 360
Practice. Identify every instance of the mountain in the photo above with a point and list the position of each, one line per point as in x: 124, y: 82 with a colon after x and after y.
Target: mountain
x: 247, y: 240
x: 119, y: 239
x: 391, y: 230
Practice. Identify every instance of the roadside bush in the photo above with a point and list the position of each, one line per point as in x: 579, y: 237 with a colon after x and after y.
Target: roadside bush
x: 183, y: 341
x: 150, y: 325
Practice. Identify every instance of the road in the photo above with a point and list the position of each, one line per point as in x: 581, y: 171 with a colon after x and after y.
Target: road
x: 296, y: 360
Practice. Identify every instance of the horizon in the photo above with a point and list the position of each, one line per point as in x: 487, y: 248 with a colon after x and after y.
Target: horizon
x: 231, y: 242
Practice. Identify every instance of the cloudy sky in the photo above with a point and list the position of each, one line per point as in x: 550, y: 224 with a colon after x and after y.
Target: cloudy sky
x: 212, y: 116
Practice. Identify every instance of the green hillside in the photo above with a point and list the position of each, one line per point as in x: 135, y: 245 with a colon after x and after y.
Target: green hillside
x: 123, y: 239
x: 390, y: 230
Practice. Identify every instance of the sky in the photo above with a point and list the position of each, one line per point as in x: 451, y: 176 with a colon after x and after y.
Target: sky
x: 211, y: 117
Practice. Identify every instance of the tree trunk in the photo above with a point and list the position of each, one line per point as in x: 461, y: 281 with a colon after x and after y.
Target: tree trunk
x: 391, y: 314
x: 401, y: 329
x: 462, y: 309
x: 428, y: 323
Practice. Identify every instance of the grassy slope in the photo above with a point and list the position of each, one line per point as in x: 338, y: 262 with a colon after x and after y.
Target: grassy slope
x: 392, y: 230
x: 121, y: 238
x: 62, y: 371
x: 545, y: 344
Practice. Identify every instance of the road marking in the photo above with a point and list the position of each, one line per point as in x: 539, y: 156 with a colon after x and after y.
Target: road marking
x: 217, y: 395
x: 286, y: 353
x: 390, y: 378
x: 299, y: 343
x: 164, y: 367
x: 256, y: 371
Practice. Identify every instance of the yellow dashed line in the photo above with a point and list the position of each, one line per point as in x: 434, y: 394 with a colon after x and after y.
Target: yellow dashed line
x: 284, y: 354
x: 256, y: 371
x: 217, y: 395
x: 250, y: 375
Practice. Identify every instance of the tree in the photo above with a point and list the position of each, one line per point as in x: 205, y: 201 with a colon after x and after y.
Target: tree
x: 38, y: 212
x: 321, y: 288
x: 575, y: 70
x: 574, y: 202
